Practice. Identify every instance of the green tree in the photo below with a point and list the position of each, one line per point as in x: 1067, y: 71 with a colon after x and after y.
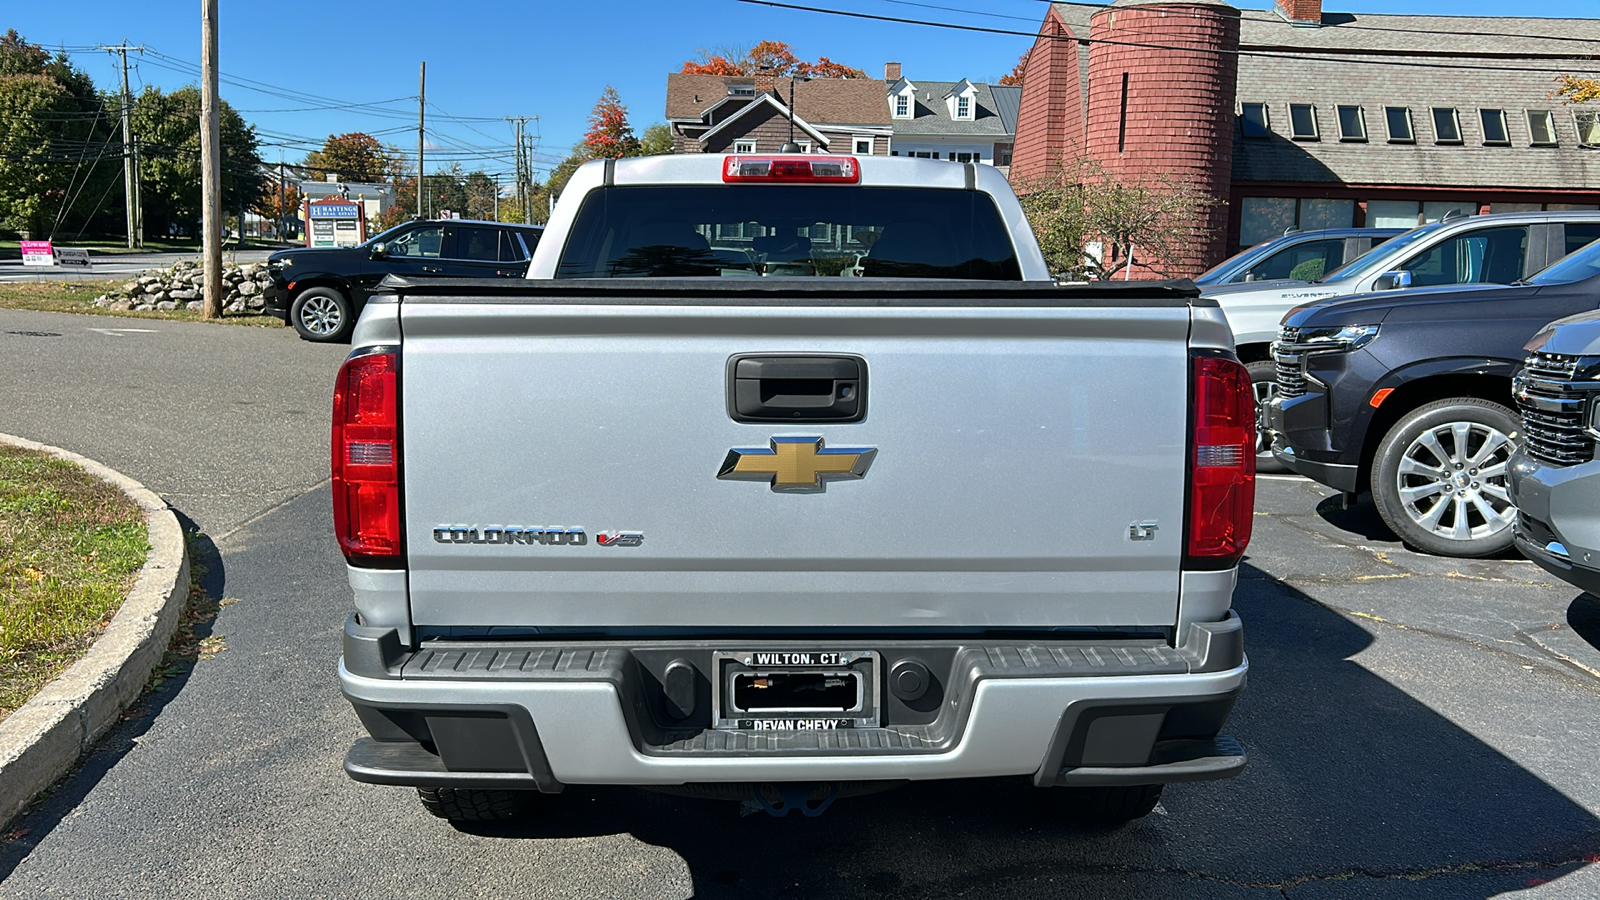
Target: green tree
x: 546, y: 193
x: 60, y: 155
x: 1080, y: 202
x: 656, y: 140
x: 33, y: 178
x: 168, y: 125
x: 356, y: 156
x: 480, y: 191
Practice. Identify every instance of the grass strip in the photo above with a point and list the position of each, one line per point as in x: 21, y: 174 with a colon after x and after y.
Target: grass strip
x: 71, y: 547
x: 78, y: 297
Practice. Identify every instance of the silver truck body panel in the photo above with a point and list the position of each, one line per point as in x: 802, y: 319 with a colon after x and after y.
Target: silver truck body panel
x: 586, y: 739
x: 1015, y: 514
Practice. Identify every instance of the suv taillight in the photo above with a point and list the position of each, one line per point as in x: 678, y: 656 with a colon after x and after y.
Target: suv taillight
x: 366, y: 457
x: 1222, y: 469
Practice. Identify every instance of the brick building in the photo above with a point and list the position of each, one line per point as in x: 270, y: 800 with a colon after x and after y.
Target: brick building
x: 1295, y: 117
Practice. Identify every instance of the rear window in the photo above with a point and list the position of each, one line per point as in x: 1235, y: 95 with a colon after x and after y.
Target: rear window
x: 752, y: 231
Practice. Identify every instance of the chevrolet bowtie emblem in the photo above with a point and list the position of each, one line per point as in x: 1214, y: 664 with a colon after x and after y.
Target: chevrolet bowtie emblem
x: 796, y: 464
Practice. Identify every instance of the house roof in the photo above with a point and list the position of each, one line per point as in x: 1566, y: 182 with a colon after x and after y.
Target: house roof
x: 760, y: 100
x: 1007, y: 104
x: 842, y: 101
x: 932, y: 116
x: 1381, y: 60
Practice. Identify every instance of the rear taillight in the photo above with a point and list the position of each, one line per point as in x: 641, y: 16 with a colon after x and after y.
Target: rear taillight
x: 366, y: 457
x: 791, y: 170
x: 1222, y: 469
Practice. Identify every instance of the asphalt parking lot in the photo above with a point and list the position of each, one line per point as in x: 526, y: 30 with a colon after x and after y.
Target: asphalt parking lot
x: 1417, y: 727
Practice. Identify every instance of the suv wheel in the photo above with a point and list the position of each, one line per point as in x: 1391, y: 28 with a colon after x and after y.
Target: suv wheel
x: 321, y: 314
x: 1264, y: 381
x: 1439, y: 477
x: 466, y: 805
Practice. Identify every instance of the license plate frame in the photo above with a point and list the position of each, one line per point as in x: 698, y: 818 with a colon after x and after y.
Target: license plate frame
x: 863, y: 665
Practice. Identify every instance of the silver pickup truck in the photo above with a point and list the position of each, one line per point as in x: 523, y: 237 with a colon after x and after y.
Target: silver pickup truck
x: 789, y: 477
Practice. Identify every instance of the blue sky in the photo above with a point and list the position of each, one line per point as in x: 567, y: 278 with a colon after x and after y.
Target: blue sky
x: 487, y: 60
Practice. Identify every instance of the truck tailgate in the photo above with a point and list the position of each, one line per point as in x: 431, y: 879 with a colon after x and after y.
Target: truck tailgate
x: 1014, y: 450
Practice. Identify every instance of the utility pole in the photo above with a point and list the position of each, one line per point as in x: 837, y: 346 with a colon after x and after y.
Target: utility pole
x: 527, y: 170
x: 283, y: 198
x: 524, y: 166
x: 210, y: 161
x: 130, y: 156
x: 422, y: 101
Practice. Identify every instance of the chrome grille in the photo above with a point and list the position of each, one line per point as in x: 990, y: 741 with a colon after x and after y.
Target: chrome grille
x: 1291, y: 368
x: 1553, y: 410
x: 1553, y: 366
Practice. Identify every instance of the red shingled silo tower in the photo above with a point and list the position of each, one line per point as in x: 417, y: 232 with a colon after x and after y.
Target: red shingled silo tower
x: 1161, y: 101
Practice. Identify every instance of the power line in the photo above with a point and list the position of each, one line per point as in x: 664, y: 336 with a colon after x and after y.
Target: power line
x: 965, y: 12
x: 1353, y: 27
x: 1298, y: 55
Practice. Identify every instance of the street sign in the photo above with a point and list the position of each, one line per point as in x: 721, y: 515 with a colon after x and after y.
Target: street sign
x: 73, y: 256
x: 37, y: 253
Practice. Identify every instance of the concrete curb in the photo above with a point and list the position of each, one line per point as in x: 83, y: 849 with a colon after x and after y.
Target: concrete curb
x: 41, y: 741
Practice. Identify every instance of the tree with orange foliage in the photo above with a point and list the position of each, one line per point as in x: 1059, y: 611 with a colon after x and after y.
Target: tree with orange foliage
x: 773, y: 56
x: 268, y: 207
x: 1574, y: 89
x: 1016, y: 74
x: 609, y: 134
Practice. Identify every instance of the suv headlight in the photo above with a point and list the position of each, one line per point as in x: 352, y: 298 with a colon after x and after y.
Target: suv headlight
x: 1336, y: 338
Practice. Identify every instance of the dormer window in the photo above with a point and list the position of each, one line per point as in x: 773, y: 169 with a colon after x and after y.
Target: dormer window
x: 963, y: 107
x: 902, y: 107
x: 742, y: 90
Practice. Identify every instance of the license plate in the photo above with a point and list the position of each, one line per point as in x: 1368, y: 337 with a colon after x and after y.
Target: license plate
x: 810, y: 689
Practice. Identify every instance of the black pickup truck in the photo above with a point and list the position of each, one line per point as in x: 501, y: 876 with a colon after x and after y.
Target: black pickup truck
x: 1408, y: 394
x: 321, y: 290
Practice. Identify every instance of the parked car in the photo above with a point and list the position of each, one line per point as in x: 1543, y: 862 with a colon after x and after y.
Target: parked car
x: 1296, y: 255
x: 1555, y: 479
x: 1409, y: 393
x: 1494, y: 249
x: 322, y: 290
x: 764, y: 485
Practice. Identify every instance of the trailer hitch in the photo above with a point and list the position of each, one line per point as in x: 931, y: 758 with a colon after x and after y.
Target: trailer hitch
x: 795, y: 795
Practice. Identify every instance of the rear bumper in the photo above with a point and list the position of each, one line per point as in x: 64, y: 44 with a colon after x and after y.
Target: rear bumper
x: 538, y: 717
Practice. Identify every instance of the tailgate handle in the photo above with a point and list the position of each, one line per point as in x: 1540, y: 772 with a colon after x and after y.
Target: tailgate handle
x: 797, y: 388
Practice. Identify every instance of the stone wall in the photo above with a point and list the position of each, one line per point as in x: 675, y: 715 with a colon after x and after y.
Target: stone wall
x: 182, y: 287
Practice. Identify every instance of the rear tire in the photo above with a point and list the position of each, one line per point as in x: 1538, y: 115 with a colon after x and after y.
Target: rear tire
x: 1111, y: 805
x: 1439, y: 477
x: 322, y: 314
x: 468, y: 805
x: 1264, y: 382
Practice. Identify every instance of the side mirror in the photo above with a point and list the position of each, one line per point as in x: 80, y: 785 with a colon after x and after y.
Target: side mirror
x: 379, y: 250
x: 1389, y: 281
